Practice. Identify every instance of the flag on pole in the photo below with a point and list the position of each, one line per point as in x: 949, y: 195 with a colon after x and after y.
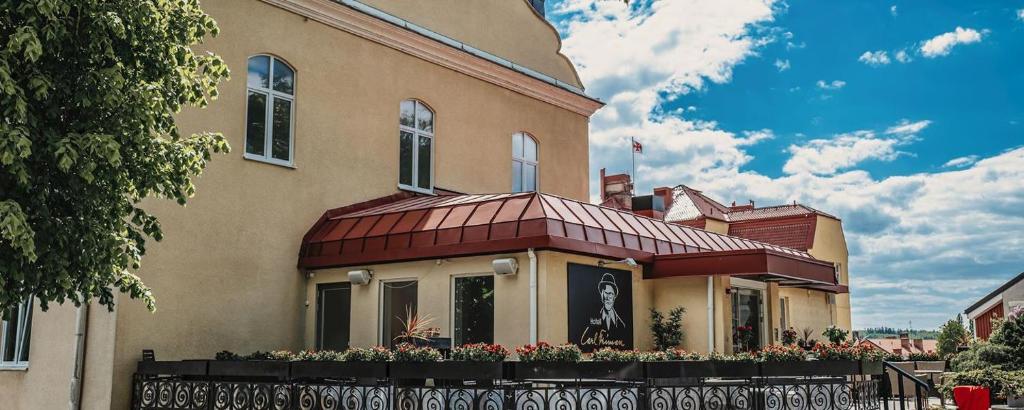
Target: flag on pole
x: 637, y: 147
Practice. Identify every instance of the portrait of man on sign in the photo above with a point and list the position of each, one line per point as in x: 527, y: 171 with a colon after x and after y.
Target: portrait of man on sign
x: 600, y: 307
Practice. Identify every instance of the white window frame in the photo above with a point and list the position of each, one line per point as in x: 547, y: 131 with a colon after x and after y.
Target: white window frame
x: 451, y: 301
x: 416, y: 134
x: 523, y: 161
x: 268, y: 131
x: 24, y: 324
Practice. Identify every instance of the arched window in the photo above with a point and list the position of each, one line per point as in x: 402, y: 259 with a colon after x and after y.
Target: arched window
x: 524, y: 162
x: 270, y: 113
x: 416, y: 146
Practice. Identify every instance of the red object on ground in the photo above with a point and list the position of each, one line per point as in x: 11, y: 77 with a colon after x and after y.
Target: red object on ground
x: 971, y: 397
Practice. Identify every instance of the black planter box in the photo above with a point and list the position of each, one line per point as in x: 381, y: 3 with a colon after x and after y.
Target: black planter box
x: 249, y: 368
x: 181, y: 368
x: 811, y: 368
x: 700, y: 368
x: 338, y: 370
x: 450, y: 370
x: 576, y: 371
x: 872, y: 367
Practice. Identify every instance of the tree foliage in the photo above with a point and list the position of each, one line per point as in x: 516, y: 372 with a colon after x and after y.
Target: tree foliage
x: 952, y: 335
x: 88, y: 94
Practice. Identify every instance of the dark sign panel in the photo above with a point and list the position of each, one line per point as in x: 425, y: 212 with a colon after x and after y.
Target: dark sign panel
x: 600, y: 307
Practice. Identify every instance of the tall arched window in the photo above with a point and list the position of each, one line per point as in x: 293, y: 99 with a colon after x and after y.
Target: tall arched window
x: 416, y: 146
x: 524, y: 162
x: 270, y: 113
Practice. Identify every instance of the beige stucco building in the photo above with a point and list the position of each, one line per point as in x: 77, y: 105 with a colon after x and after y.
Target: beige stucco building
x: 351, y: 107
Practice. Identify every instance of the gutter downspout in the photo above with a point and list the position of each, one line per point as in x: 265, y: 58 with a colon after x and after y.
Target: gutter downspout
x: 77, y: 380
x: 711, y: 314
x: 533, y: 296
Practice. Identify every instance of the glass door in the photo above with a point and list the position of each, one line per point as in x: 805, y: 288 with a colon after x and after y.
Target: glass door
x: 333, y: 316
x: 747, y: 319
x: 398, y: 307
x: 473, y: 313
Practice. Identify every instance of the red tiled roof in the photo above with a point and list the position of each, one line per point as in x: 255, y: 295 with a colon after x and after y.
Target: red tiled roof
x: 796, y: 232
x: 464, y: 225
x: 777, y: 211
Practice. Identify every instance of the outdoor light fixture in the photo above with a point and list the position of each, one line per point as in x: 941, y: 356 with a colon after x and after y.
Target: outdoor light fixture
x: 360, y: 277
x: 505, y: 266
x: 628, y: 262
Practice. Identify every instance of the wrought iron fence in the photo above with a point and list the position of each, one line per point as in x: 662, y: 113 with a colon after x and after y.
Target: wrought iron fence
x: 204, y: 392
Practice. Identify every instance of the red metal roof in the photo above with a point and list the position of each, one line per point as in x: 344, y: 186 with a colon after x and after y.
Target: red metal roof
x: 428, y: 227
x: 793, y: 232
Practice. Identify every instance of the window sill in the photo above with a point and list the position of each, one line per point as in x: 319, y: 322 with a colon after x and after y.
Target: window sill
x: 264, y: 160
x: 13, y: 367
x: 415, y: 189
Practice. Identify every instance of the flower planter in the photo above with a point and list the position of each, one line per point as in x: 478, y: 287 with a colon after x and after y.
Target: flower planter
x: 451, y: 370
x: 811, y: 368
x: 338, y: 370
x: 1015, y: 401
x: 168, y: 368
x: 872, y: 367
x: 576, y: 371
x: 700, y: 368
x: 249, y: 368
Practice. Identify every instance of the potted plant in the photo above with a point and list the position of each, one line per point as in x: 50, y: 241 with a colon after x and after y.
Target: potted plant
x: 412, y: 362
x: 254, y: 365
x: 836, y: 359
x: 471, y: 361
x: 1013, y: 389
x: 680, y: 364
x: 778, y: 360
x: 743, y: 337
x: 789, y: 336
x: 368, y: 363
x: 544, y: 361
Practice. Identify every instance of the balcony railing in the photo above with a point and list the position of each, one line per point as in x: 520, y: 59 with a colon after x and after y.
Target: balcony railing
x: 682, y: 385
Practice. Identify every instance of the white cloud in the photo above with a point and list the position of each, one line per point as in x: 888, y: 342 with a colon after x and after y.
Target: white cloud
x: 893, y: 11
x: 905, y: 127
x: 961, y: 162
x: 795, y: 46
x: 782, y: 65
x: 834, y: 85
x: 1020, y: 14
x: 942, y: 44
x: 874, y: 58
x: 843, y: 151
x: 903, y: 57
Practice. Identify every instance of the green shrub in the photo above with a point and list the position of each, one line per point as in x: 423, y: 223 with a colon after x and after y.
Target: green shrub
x: 480, y: 352
x: 373, y: 354
x: 981, y: 355
x: 835, y: 335
x: 667, y: 333
x: 925, y: 357
x: 1010, y: 333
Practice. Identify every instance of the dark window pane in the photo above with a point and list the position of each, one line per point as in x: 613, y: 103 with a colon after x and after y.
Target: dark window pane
x: 424, y: 118
x: 26, y: 339
x: 10, y: 334
x: 474, y: 310
x: 399, y: 306
x: 281, y: 142
x: 517, y: 176
x: 423, y: 165
x: 333, y: 316
x: 284, y: 78
x: 259, y: 71
x: 256, y: 120
x: 407, y: 114
x: 405, y: 158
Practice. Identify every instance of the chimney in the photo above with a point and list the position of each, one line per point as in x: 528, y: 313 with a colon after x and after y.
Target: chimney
x: 919, y: 344
x: 905, y: 341
x: 538, y: 5
x: 616, y: 191
x: 666, y: 196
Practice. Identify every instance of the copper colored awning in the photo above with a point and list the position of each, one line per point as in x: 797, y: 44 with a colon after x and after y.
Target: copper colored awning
x: 403, y: 228
x: 762, y: 264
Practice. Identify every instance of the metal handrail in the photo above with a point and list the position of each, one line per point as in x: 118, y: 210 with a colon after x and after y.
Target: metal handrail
x: 919, y: 386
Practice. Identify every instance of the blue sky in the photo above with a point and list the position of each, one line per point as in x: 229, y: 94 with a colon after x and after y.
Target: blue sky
x: 906, y: 119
